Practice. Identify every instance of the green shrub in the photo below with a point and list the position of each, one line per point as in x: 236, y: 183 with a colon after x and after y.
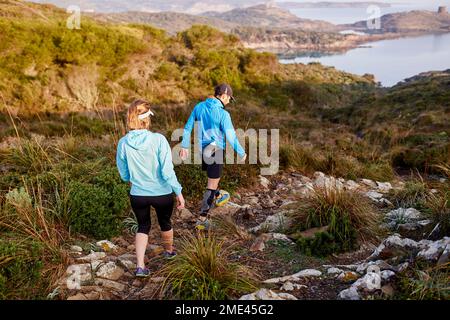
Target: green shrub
x: 203, y: 271
x: 349, y: 217
x: 97, y: 208
x: 20, y: 269
x: 413, y: 194
x: 420, y: 282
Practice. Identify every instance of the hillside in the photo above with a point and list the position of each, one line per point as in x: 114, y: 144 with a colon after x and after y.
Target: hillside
x: 327, y: 4
x: 409, y: 22
x: 270, y: 17
x: 182, y: 6
x: 172, y: 22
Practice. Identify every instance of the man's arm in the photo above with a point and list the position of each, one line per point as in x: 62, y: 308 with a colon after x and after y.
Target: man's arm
x: 230, y: 134
x: 186, y: 142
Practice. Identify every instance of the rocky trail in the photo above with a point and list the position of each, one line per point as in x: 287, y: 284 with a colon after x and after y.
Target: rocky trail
x: 104, y: 270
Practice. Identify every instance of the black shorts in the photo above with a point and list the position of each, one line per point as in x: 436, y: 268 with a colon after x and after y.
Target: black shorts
x: 213, y: 165
x: 163, y: 205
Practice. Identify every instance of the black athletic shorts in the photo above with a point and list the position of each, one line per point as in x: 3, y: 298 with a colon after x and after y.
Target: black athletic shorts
x: 163, y: 205
x: 213, y: 166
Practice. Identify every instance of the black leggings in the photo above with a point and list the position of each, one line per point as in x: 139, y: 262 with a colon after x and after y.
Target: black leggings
x: 163, y: 206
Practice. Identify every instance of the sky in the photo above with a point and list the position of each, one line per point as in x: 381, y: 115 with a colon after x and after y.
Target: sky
x: 434, y: 2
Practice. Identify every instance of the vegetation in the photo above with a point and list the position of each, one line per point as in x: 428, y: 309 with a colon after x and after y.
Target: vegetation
x: 424, y: 283
x: 203, y: 271
x: 343, y: 219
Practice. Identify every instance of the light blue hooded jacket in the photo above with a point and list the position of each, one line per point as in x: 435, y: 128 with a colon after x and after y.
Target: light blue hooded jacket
x: 144, y: 158
x: 214, y: 125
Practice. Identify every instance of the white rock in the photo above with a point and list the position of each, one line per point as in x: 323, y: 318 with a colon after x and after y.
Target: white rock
x: 106, y: 245
x: 266, y: 294
x: 349, y: 294
x: 369, y: 183
x: 295, y: 276
x: 286, y: 296
x: 280, y: 237
x: 384, y: 187
x: 76, y: 249
x: 273, y: 223
x: 78, y: 273
x: 318, y: 174
x: 404, y: 214
x: 387, y: 274
x: 434, y: 249
x: 394, y: 241
x: 352, y: 185
x: 289, y: 286
x: 334, y: 271
x: 307, y: 273
x: 93, y: 256
x: 110, y: 284
x: 374, y: 195
x: 370, y: 282
x: 130, y: 265
x: 110, y: 271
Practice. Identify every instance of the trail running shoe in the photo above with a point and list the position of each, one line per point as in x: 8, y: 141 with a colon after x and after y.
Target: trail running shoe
x: 169, y: 255
x: 222, y: 198
x: 203, y: 225
x: 142, y: 272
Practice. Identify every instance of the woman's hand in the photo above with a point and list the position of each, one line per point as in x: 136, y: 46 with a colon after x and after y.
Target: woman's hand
x: 180, y: 201
x: 184, y: 153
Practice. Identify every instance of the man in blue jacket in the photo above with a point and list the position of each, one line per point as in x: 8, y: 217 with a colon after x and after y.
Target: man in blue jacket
x: 215, y: 128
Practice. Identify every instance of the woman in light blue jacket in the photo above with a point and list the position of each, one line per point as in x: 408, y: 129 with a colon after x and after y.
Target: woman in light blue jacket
x: 144, y: 159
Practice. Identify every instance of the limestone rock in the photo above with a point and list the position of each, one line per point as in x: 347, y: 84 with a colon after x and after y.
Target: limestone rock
x: 266, y: 294
x: 110, y: 271
x: 349, y: 294
x: 93, y: 256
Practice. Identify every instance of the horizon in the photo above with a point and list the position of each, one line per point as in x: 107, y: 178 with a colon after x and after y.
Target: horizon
x: 102, y: 7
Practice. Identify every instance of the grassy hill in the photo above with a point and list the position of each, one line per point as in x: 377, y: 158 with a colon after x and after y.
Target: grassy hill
x: 412, y: 21
x: 267, y: 16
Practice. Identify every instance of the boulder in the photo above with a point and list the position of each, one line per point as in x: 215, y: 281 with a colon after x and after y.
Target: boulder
x: 266, y: 294
x: 110, y: 271
x: 349, y: 294
x: 185, y: 214
x: 113, y: 285
x: 433, y: 250
x: 369, y: 183
x: 273, y: 223
x: 76, y: 249
x: 394, y: 246
x: 93, y: 256
x: 384, y: 187
x: 295, y: 276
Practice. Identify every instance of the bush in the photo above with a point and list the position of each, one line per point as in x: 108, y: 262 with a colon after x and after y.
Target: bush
x: 348, y: 216
x: 97, y: 208
x: 20, y: 269
x: 203, y: 271
x: 424, y: 283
